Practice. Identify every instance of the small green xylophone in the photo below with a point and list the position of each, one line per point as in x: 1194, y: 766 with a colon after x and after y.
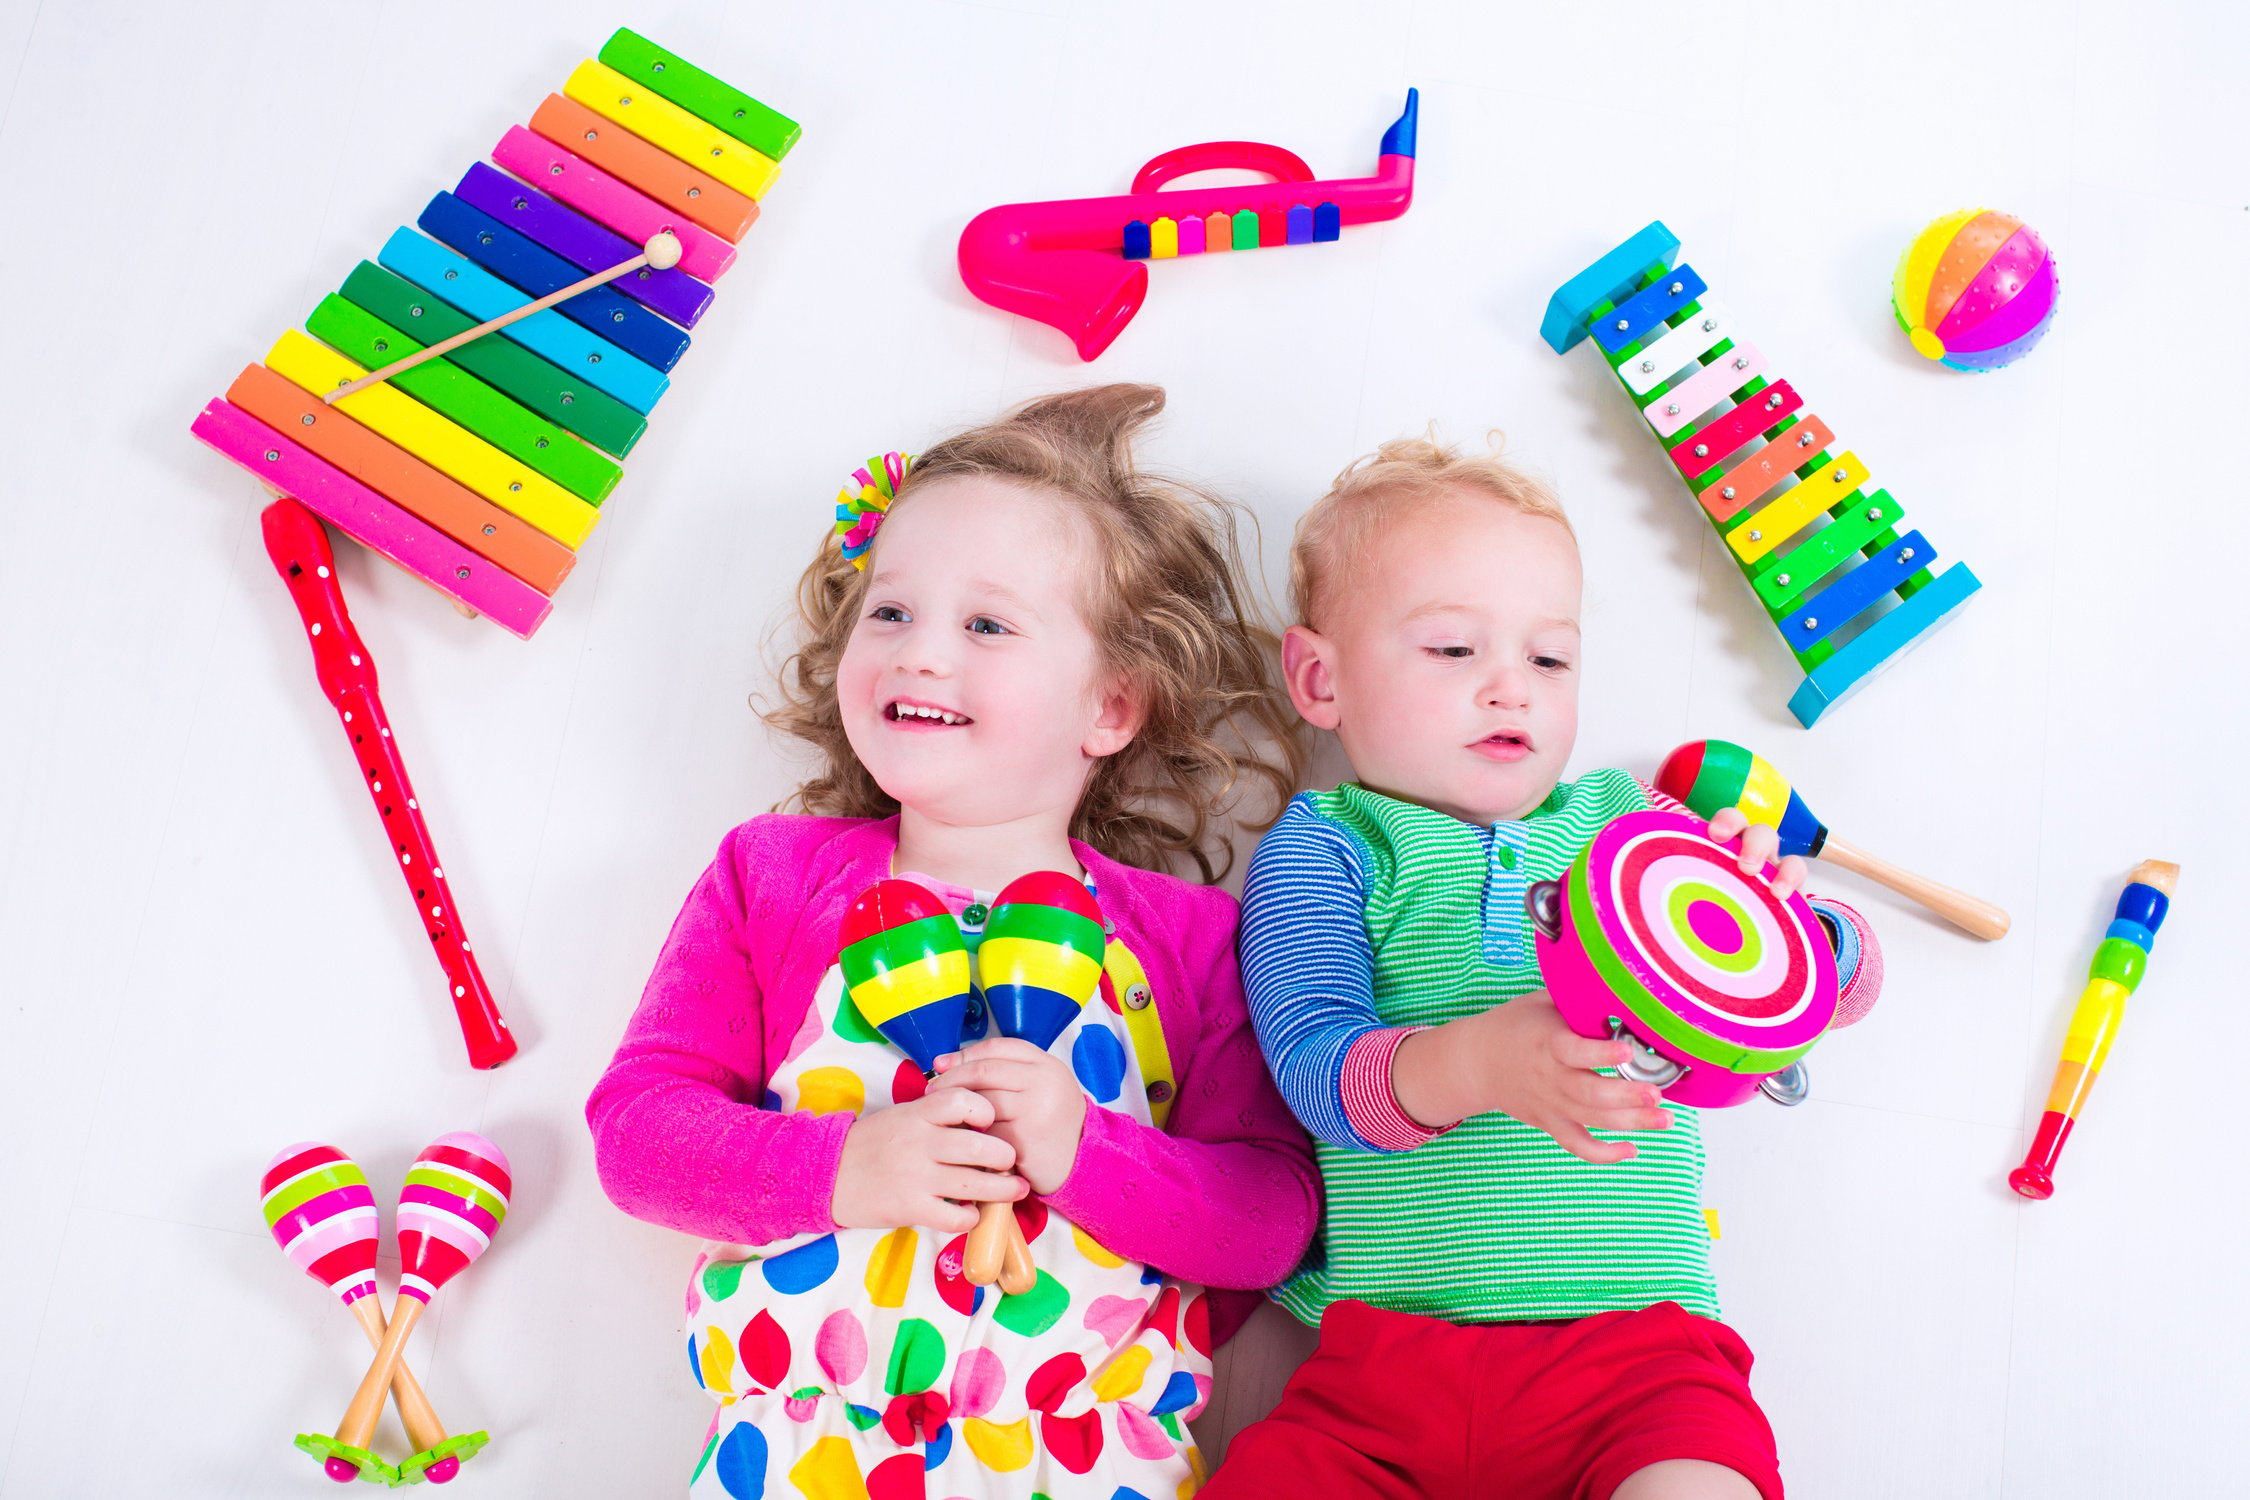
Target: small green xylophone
x: 1822, y: 551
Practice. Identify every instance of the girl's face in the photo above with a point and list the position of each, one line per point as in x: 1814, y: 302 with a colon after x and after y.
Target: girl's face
x: 971, y: 687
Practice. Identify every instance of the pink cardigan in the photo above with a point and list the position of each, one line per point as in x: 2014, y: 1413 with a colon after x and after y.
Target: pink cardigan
x: 1227, y: 1196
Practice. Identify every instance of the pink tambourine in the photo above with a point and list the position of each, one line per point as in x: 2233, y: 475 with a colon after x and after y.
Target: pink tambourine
x: 1656, y: 936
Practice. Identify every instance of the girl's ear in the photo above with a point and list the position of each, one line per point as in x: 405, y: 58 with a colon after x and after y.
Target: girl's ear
x: 1305, y: 658
x: 1113, y: 728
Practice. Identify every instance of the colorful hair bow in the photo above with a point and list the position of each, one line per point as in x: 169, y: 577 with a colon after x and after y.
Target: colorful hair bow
x: 865, y: 499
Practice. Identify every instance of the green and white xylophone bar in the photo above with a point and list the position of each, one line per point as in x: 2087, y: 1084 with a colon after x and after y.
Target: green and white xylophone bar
x: 1823, y: 553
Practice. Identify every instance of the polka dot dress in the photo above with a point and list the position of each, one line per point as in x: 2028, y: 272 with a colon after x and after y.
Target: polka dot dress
x: 862, y: 1363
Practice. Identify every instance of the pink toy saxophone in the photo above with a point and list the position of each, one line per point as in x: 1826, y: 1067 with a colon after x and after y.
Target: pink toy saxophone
x: 1061, y: 262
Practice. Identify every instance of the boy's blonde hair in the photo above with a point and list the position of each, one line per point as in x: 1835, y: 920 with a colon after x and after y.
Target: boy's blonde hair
x: 1168, y: 610
x: 1386, y: 485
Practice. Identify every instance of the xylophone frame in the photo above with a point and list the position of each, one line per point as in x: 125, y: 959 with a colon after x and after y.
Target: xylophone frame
x: 1676, y: 356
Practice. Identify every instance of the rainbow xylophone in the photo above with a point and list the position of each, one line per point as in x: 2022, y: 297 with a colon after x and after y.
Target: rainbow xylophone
x: 1823, y: 553
x: 483, y: 471
x: 1060, y: 261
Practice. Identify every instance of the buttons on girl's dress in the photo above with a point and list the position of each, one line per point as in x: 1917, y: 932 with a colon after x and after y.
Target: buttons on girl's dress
x: 974, y: 913
x: 1159, y: 1091
x: 1137, y: 997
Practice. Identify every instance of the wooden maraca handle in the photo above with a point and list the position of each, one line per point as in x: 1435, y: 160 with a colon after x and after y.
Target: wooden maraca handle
x: 420, y: 1419
x: 1976, y: 917
x: 997, y: 1253
x: 367, y: 1402
x: 1018, y: 1274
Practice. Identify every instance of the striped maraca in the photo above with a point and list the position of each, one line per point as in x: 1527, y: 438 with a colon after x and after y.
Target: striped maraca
x: 907, y: 969
x: 1039, y: 962
x: 1708, y: 775
x: 317, y: 1203
x: 456, y: 1194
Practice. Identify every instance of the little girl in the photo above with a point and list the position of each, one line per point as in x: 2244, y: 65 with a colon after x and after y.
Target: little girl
x: 1040, y: 661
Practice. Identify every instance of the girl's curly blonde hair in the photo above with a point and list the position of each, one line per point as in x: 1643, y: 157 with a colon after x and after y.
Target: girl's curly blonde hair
x: 1167, y: 606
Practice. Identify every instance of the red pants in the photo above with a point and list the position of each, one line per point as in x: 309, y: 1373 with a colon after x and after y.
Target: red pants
x: 1397, y: 1405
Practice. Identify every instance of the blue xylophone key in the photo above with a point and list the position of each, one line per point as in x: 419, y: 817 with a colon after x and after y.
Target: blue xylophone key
x: 548, y: 334
x: 1821, y: 615
x: 1327, y: 223
x: 1648, y: 307
x: 1136, y: 240
x: 582, y: 242
x: 518, y: 260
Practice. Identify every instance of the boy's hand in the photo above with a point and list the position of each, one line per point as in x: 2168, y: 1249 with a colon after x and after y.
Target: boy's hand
x: 1521, y: 1059
x: 1037, y: 1106
x: 1758, y: 845
x: 902, y: 1164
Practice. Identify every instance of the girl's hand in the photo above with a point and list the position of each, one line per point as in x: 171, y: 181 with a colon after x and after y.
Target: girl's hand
x: 1758, y: 845
x: 902, y: 1164
x: 1037, y: 1106
x: 1521, y: 1059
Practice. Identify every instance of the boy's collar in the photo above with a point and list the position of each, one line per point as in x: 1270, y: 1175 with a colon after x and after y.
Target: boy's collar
x: 1400, y: 812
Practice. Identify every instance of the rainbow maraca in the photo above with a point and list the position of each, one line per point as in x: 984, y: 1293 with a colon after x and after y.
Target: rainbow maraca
x: 1708, y: 775
x: 1039, y: 962
x: 1041, y: 957
x: 323, y: 1216
x: 907, y: 969
x: 456, y: 1194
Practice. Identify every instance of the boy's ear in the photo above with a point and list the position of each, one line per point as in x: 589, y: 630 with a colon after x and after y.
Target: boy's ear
x: 1305, y: 656
x: 1113, y: 729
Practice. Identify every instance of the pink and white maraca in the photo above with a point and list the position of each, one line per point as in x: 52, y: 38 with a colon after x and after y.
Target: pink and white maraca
x: 455, y: 1197
x: 322, y: 1214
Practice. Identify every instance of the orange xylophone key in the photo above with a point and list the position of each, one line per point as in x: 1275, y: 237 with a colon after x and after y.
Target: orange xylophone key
x: 1761, y: 471
x: 652, y: 169
x: 475, y: 522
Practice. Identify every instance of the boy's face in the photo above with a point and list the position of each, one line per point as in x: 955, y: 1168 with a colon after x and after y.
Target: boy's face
x: 1449, y: 666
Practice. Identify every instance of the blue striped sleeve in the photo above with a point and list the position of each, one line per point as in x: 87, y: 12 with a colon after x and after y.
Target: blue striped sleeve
x: 1307, y: 967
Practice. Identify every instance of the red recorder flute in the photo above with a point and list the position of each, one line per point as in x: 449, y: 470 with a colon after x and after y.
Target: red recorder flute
x: 298, y: 545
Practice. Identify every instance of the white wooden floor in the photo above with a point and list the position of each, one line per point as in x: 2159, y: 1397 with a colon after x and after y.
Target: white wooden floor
x: 203, y: 954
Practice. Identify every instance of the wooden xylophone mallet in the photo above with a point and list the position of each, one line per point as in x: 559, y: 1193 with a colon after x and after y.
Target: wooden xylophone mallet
x: 1708, y: 775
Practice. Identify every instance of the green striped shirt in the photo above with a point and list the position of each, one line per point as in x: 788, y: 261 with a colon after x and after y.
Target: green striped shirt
x: 1491, y: 1221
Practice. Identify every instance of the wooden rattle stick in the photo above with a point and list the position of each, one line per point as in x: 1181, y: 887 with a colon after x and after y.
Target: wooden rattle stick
x: 1708, y: 775
x: 1972, y: 914
x: 997, y: 1253
x: 367, y: 1402
x: 423, y: 1429
x: 661, y: 253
